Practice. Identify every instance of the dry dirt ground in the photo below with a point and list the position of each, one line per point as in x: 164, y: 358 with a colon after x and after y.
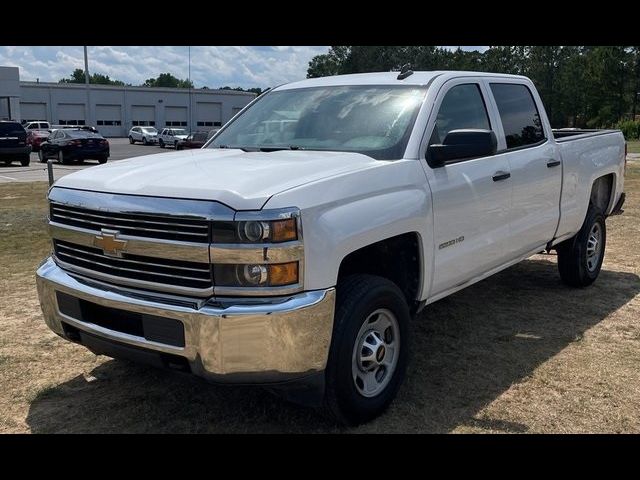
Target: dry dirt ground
x: 518, y: 352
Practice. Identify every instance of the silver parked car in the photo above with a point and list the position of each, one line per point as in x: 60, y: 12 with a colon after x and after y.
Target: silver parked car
x: 146, y: 135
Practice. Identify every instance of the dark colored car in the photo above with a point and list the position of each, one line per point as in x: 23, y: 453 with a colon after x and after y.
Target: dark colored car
x: 194, y: 140
x: 68, y: 145
x: 13, y: 143
x: 36, y: 137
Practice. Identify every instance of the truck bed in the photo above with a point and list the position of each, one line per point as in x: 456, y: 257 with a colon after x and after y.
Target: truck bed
x: 568, y: 134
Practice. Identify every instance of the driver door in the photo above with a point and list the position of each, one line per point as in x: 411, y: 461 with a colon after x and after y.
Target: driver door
x: 472, y: 197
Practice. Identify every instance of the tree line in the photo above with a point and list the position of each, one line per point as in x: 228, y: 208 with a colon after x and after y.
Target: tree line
x: 166, y: 80
x: 581, y: 86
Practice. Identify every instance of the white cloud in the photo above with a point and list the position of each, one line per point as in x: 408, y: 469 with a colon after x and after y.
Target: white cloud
x: 210, y: 66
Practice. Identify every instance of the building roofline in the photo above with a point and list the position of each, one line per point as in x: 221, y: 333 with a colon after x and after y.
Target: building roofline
x: 30, y: 84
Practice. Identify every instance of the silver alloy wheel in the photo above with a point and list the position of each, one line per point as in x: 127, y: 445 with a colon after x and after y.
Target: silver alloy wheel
x: 375, y: 353
x: 594, y: 247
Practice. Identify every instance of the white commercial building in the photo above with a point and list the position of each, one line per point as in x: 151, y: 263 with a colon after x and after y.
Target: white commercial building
x: 113, y: 110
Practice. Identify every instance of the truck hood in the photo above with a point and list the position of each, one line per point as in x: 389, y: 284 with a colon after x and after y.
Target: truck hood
x: 241, y: 180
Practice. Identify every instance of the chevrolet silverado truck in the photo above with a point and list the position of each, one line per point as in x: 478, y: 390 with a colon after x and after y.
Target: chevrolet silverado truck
x: 293, y: 249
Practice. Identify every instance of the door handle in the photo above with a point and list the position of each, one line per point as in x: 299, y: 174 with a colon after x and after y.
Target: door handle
x: 553, y: 163
x: 500, y: 176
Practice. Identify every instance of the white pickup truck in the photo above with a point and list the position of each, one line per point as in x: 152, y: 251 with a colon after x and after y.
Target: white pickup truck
x: 294, y: 256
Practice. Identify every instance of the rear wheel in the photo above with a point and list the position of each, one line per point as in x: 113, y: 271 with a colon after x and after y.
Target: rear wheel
x: 25, y: 160
x: 102, y: 160
x: 41, y: 156
x: 369, y: 348
x: 580, y: 258
x: 131, y: 140
x: 144, y: 141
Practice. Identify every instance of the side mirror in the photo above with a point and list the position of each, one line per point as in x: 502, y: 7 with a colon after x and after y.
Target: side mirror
x: 462, y: 144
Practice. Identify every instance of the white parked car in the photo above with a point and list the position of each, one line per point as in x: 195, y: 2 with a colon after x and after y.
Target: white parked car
x: 171, y: 137
x: 145, y: 135
x: 293, y: 250
x: 37, y: 125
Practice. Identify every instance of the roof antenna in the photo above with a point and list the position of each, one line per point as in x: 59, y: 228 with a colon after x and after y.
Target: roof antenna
x: 405, y: 71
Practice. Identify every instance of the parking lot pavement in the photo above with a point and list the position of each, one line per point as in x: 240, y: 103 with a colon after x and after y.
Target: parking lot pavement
x: 36, y: 171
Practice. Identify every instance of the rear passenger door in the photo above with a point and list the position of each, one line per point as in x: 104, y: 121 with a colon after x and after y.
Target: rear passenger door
x: 536, y: 171
x: 472, y: 197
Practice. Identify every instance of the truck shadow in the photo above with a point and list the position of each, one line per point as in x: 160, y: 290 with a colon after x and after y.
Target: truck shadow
x: 468, y: 349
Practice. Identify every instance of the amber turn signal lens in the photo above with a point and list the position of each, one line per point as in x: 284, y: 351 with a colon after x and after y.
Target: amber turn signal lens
x: 283, y: 230
x: 283, y: 274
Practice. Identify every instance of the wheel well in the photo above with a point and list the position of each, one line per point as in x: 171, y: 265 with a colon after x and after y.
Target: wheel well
x: 601, y: 192
x: 396, y: 258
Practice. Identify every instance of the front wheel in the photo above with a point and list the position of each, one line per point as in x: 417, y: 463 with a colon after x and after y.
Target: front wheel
x: 580, y: 258
x: 144, y: 141
x: 41, y: 156
x: 369, y: 348
x: 102, y: 160
x: 25, y: 160
x: 161, y: 143
x: 131, y: 140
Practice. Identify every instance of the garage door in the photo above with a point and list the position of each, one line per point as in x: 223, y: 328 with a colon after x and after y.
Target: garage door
x: 143, y: 115
x: 31, y: 112
x: 208, y: 115
x: 109, y: 120
x: 175, y: 116
x: 70, y: 114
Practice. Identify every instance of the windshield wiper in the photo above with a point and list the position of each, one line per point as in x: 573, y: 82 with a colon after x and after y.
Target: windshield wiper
x: 275, y: 149
x: 244, y: 149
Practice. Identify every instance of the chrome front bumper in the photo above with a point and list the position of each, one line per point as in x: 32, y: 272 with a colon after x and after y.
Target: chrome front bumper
x: 278, y: 341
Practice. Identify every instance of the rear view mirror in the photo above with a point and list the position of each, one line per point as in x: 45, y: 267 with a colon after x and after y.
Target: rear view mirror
x: 462, y: 144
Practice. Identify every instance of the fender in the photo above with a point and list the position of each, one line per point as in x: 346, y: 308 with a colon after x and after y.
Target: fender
x: 344, y: 213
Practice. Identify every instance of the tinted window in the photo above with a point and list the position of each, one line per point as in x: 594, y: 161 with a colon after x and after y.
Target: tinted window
x: 200, y: 137
x: 83, y: 134
x: 10, y: 128
x: 518, y: 113
x: 462, y: 107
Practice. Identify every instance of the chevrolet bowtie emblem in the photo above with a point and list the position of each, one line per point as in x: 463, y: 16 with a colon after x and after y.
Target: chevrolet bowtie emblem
x: 109, y: 243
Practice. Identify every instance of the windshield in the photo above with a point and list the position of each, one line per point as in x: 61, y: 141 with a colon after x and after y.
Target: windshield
x: 373, y: 120
x: 149, y: 130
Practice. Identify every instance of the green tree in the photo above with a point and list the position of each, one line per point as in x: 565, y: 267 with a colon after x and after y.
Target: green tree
x: 167, y: 80
x: 96, y: 78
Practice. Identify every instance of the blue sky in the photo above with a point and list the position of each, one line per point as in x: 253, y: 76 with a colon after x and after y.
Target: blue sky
x: 210, y: 66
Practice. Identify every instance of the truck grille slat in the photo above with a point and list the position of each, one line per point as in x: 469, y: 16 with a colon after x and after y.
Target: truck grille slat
x: 140, y: 225
x: 135, y: 267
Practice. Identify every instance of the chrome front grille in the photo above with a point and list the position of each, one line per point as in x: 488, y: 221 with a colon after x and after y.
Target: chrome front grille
x: 139, y: 225
x: 140, y: 269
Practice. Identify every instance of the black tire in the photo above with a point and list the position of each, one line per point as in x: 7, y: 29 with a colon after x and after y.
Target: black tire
x: 175, y: 145
x: 102, y: 160
x: 144, y: 141
x: 7, y: 162
x: 358, y: 296
x: 573, y: 262
x: 25, y: 160
x: 131, y: 140
x: 41, y: 156
x: 161, y: 143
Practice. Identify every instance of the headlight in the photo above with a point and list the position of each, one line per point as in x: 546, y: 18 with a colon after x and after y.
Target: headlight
x: 256, y: 231
x: 256, y: 275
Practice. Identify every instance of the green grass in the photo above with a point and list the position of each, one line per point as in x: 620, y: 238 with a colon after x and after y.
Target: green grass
x: 633, y: 146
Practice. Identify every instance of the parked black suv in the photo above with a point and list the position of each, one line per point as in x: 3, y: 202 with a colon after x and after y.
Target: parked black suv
x: 13, y: 143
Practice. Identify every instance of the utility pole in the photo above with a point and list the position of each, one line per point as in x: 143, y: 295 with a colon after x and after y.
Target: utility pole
x: 88, y: 88
x: 190, y: 116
